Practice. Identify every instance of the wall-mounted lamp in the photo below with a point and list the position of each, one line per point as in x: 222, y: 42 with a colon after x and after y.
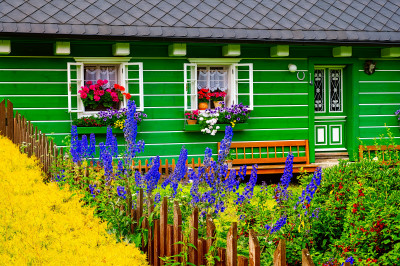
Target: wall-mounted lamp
x: 293, y: 68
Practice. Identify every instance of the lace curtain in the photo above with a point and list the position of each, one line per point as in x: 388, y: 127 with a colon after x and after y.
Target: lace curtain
x: 212, y: 80
x: 95, y: 73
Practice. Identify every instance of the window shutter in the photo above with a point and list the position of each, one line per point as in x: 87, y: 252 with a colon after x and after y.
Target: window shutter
x: 243, y: 88
x: 132, y: 80
x: 74, y: 83
x: 190, y: 89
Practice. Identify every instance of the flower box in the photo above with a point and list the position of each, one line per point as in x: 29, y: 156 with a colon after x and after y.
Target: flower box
x: 100, y: 130
x: 196, y: 127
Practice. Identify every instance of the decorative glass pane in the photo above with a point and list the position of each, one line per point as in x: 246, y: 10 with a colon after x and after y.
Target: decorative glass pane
x: 335, y: 93
x: 319, y: 90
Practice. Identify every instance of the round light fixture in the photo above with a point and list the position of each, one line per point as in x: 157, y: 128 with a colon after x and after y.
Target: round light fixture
x: 292, y: 67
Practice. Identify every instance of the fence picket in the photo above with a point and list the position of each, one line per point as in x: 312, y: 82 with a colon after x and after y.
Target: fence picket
x: 10, y: 120
x: 194, y: 226
x: 170, y: 240
x: 254, y: 249
x: 210, y: 232
x: 280, y: 254
x: 231, y: 246
x: 243, y: 261
x: 177, y: 230
x: 201, y: 251
x: 157, y: 250
x: 163, y: 228
x: 306, y: 258
x: 222, y: 257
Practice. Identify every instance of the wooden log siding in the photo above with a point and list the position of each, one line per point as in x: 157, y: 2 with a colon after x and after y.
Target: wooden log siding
x: 30, y: 140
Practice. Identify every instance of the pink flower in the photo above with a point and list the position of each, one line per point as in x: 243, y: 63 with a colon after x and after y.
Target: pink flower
x: 108, y: 90
x: 96, y: 98
x: 83, y: 95
x: 100, y: 82
x: 92, y: 87
x: 89, y: 83
x: 101, y: 92
x: 96, y: 86
x: 105, y: 81
x: 85, y: 89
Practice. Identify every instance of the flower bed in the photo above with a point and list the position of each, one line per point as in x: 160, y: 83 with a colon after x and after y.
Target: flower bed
x: 43, y: 225
x: 348, y: 213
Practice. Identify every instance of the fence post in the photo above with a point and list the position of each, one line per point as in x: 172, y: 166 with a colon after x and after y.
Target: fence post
x: 201, y: 252
x: 170, y: 240
x: 280, y: 254
x: 10, y: 120
x: 231, y: 246
x: 150, y: 240
x: 163, y: 228
x: 156, y: 242
x: 210, y: 232
x: 254, y: 249
x: 3, y: 131
x: 177, y: 231
x: 194, y: 226
x: 139, y: 206
x: 243, y: 261
x: 222, y: 257
x: 306, y: 258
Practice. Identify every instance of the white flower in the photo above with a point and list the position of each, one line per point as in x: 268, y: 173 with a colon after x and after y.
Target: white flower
x: 201, y: 118
x: 207, y: 130
x: 202, y: 130
x: 213, y: 132
x: 208, y: 121
x: 217, y: 127
x: 375, y: 159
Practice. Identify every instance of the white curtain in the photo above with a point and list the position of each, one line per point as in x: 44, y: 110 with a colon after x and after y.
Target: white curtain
x: 95, y: 73
x: 202, y: 79
x: 218, y: 80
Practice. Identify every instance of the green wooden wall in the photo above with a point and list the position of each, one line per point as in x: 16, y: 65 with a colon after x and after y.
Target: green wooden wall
x: 36, y: 82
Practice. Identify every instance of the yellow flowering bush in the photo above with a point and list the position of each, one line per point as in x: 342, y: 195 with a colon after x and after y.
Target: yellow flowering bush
x: 43, y: 225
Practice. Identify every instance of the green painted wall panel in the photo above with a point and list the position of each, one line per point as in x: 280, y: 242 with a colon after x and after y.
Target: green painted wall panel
x: 33, y: 76
x: 378, y: 131
x: 379, y: 121
x: 378, y: 109
x: 46, y: 114
x: 279, y: 111
x: 280, y: 99
x: 33, y: 63
x: 381, y: 76
x: 280, y: 87
x: 40, y: 101
x: 33, y: 89
x: 163, y: 88
x: 380, y: 87
x: 380, y: 98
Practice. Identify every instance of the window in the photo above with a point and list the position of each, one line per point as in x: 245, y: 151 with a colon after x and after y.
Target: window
x: 236, y: 80
x: 129, y: 75
x: 328, y: 89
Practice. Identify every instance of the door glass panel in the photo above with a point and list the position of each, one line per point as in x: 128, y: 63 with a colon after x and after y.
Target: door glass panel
x: 319, y: 90
x: 335, y: 90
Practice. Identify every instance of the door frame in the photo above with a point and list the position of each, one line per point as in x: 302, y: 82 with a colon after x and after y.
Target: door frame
x: 351, y: 104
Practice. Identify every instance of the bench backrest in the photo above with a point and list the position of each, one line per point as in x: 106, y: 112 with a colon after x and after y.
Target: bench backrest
x: 375, y: 151
x: 269, y: 151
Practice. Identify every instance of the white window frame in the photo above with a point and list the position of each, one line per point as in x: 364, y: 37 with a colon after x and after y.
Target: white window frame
x: 121, y: 64
x: 231, y: 65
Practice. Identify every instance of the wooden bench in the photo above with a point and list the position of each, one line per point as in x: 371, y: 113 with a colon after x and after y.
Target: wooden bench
x: 271, y: 156
x: 382, y: 152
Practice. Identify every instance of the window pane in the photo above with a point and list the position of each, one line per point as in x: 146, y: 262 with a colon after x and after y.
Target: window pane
x: 335, y: 80
x: 90, y: 74
x: 319, y: 90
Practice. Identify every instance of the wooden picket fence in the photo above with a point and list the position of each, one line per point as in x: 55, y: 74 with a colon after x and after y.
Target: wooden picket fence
x: 162, y: 236
x: 30, y: 140
x: 167, y: 168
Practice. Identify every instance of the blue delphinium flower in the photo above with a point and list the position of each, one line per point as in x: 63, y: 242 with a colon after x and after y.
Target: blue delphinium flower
x: 75, y: 145
x: 60, y: 176
x: 349, y: 259
x: 248, y: 190
x: 106, y: 161
x: 111, y: 142
x: 92, y: 146
x: 93, y: 190
x: 130, y: 133
x: 153, y: 175
x: 278, y: 225
x: 121, y: 192
x: 157, y: 198
x: 308, y: 193
x: 225, y: 146
x: 120, y: 170
x: 84, y: 146
x: 178, y: 174
x: 281, y: 190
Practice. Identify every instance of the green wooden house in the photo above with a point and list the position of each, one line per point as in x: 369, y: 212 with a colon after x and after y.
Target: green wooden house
x: 323, y: 70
